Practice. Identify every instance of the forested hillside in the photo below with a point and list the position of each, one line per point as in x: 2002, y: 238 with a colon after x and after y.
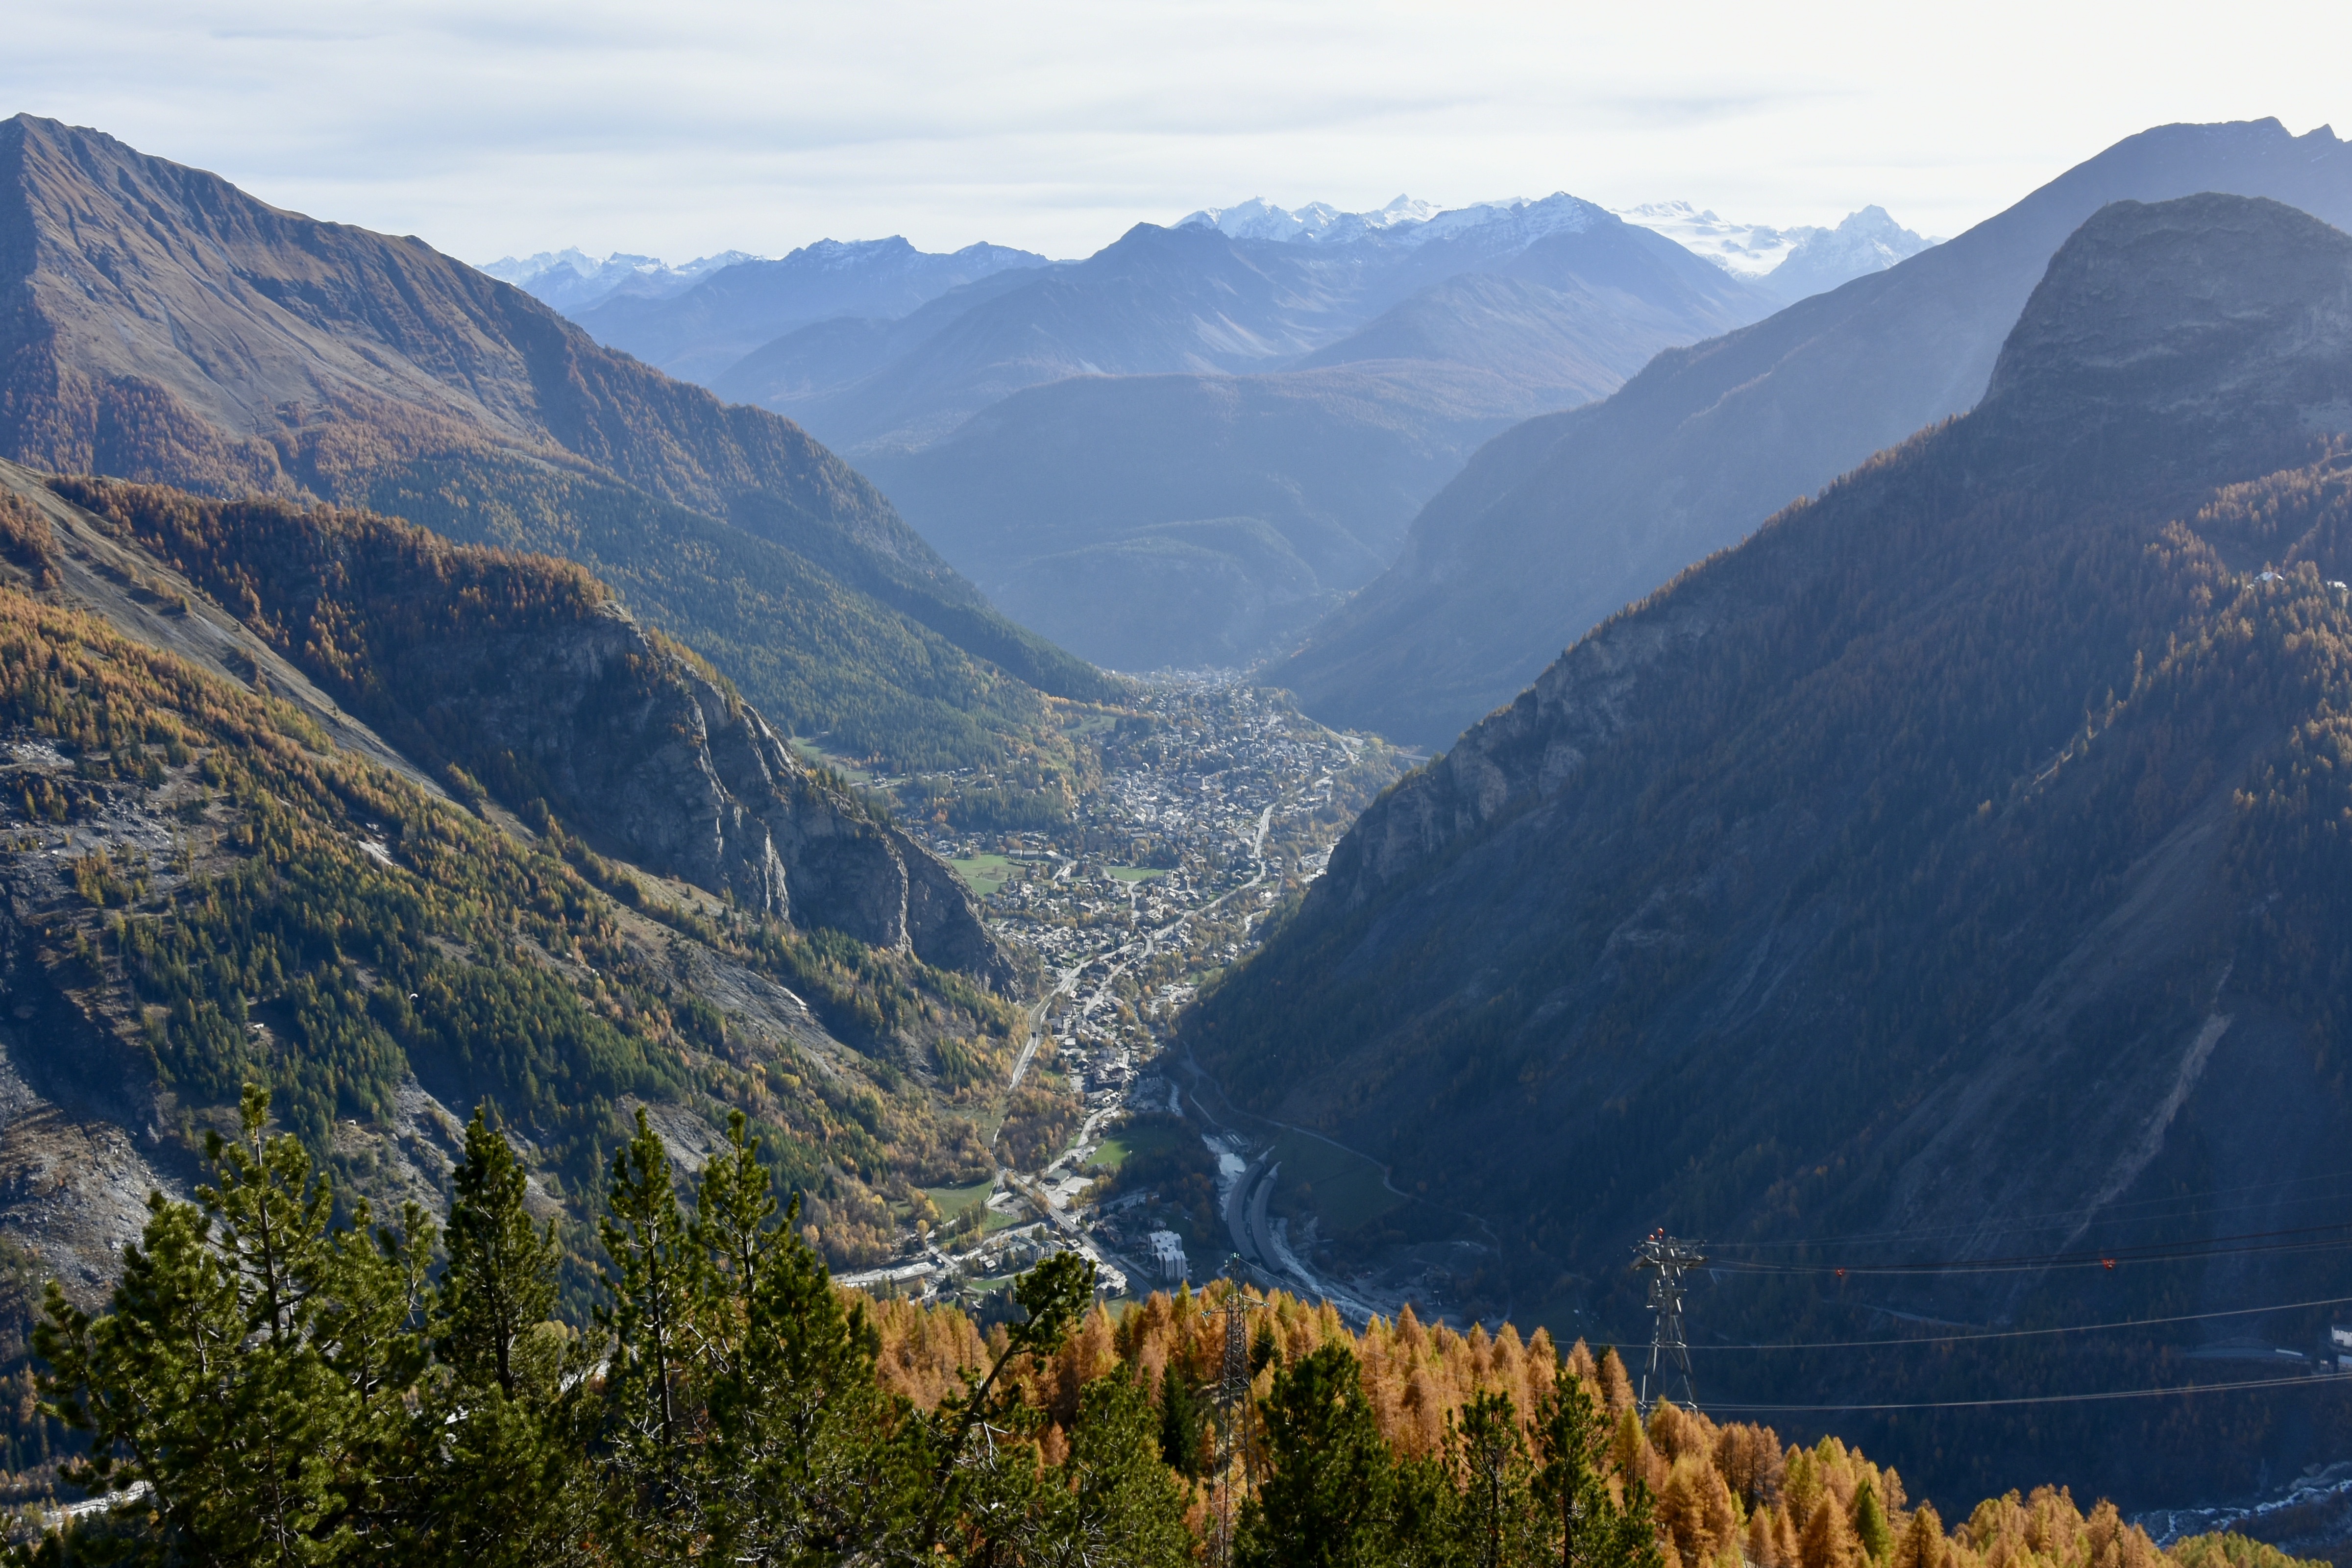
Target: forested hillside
x: 730, y: 1405
x: 1960, y: 862
x: 167, y: 326
x: 217, y: 875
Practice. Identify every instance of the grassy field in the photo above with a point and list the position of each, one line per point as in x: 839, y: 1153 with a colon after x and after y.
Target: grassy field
x: 952, y: 1201
x: 983, y: 874
x: 1346, y: 1189
x: 1135, y: 873
x: 1122, y: 1146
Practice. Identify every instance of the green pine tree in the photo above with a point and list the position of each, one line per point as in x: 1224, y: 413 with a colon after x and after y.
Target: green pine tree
x: 1330, y: 1501
x: 655, y: 1288
x: 1183, y: 1438
x: 500, y: 1286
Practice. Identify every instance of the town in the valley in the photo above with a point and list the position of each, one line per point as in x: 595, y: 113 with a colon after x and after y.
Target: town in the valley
x: 1219, y: 802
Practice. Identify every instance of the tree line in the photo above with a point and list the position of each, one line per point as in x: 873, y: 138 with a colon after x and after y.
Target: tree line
x: 273, y: 1384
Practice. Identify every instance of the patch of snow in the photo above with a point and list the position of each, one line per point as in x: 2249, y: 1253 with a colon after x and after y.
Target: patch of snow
x: 572, y: 279
x: 1748, y: 249
x: 1317, y: 223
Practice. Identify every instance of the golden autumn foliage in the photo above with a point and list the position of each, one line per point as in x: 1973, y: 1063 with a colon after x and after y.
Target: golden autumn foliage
x: 1724, y: 1494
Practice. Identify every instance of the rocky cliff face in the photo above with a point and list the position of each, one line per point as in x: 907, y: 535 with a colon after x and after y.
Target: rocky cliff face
x: 657, y: 762
x: 531, y: 678
x: 1959, y: 857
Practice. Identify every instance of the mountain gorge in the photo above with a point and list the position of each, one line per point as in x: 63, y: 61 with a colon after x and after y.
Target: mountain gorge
x: 1558, y: 522
x: 165, y: 326
x: 1961, y: 858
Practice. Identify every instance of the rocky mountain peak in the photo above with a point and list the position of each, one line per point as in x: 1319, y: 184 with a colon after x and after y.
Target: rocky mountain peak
x: 2227, y: 311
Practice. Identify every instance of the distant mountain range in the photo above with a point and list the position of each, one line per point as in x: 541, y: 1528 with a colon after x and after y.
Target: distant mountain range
x: 698, y: 333
x: 1955, y: 869
x: 161, y: 324
x: 571, y: 281
x: 1427, y: 332
x: 1789, y: 263
x: 1560, y: 521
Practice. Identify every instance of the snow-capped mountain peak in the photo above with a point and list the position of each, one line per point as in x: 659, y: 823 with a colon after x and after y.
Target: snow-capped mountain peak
x: 572, y: 279
x: 1317, y: 223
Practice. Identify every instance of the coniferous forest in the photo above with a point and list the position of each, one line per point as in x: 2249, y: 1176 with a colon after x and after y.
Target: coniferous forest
x: 281, y: 1378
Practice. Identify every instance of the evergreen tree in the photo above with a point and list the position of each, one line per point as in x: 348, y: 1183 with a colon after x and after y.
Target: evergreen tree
x: 977, y: 1472
x: 511, y: 1485
x: 1182, y: 1435
x: 250, y: 1367
x: 653, y: 1289
x: 1329, y: 1502
x: 1116, y: 1500
x: 500, y: 1284
x: 1584, y: 1525
x: 808, y: 1462
x: 1871, y: 1529
x: 1496, y: 1517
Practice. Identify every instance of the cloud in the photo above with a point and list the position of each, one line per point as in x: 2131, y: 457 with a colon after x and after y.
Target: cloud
x: 693, y: 127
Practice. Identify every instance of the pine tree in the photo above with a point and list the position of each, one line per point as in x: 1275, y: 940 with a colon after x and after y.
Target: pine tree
x: 1584, y: 1525
x: 808, y: 1462
x: 1495, y: 1517
x: 1330, y: 1501
x: 977, y: 1474
x: 1182, y: 1435
x: 500, y: 1284
x: 653, y: 1289
x: 1115, y: 1500
x: 250, y: 1366
x: 510, y: 1487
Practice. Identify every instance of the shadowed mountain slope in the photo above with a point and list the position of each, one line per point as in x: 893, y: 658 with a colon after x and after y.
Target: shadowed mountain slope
x: 162, y: 325
x: 1968, y: 848
x: 1558, y: 522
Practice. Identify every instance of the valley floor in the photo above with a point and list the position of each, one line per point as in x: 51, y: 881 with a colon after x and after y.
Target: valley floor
x: 1219, y: 802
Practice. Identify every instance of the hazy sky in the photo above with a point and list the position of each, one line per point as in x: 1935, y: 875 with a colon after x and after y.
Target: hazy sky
x: 683, y: 128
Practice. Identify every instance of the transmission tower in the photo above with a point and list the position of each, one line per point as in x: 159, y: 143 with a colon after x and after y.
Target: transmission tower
x: 1669, y: 1348
x: 1235, y: 1448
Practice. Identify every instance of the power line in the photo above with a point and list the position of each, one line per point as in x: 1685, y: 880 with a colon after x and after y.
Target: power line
x: 2298, y: 1382
x: 2030, y: 1333
x: 2216, y: 1247
x: 2061, y: 1219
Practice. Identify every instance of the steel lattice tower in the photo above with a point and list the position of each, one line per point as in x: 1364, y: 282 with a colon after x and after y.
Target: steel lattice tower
x: 1669, y: 1346
x: 1234, y: 1413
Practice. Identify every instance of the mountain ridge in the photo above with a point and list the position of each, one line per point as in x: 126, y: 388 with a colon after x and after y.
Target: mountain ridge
x: 194, y: 335
x: 1963, y: 845
x: 1558, y: 522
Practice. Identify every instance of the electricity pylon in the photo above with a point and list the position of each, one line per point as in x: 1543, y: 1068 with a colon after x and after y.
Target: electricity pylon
x: 1234, y: 1418
x: 1669, y: 1255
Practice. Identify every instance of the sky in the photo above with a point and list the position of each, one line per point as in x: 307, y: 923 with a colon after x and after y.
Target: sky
x: 692, y: 126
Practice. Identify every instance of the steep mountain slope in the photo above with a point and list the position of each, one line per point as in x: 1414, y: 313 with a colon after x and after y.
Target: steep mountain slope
x: 1558, y: 522
x: 1959, y: 862
x: 1206, y: 520
x: 162, y: 325
x: 216, y: 871
x: 699, y: 332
